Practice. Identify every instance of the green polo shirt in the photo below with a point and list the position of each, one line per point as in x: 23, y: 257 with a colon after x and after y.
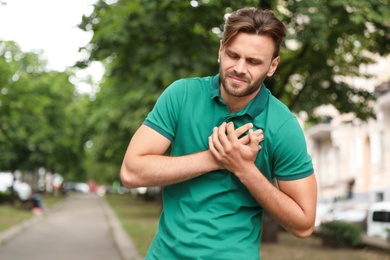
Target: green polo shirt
x: 214, y: 216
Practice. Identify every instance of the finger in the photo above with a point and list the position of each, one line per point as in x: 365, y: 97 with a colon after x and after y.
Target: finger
x: 212, y: 148
x: 254, y: 140
x: 231, y: 133
x: 261, y: 139
x: 243, y: 129
x: 260, y: 134
x: 222, y: 138
x: 215, y: 139
x: 245, y: 139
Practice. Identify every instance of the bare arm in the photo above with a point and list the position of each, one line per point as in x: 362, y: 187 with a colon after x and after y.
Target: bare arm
x: 145, y: 164
x: 293, y: 205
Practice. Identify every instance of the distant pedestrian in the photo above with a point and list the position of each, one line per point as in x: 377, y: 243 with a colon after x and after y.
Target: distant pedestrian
x: 26, y: 195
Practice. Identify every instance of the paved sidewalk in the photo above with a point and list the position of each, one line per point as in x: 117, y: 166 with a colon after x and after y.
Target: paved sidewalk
x: 82, y: 227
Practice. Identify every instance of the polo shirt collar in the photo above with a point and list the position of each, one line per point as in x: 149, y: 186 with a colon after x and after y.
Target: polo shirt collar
x: 254, y: 108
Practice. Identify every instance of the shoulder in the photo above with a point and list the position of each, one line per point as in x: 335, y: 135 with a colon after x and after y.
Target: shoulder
x: 191, y: 83
x: 276, y: 116
x: 278, y: 108
x: 186, y: 89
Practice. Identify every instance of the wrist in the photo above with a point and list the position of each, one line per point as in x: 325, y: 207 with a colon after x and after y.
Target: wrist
x: 211, y: 162
x: 247, y: 173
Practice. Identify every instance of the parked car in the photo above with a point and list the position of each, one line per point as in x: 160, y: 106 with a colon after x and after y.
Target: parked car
x: 378, y: 221
x: 349, y: 215
x: 6, y: 181
x: 76, y: 186
x: 356, y: 214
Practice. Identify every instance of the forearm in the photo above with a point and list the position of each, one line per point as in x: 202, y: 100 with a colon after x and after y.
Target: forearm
x: 160, y: 170
x: 283, y: 208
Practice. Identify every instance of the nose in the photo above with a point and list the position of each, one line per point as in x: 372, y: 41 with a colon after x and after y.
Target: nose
x: 240, y: 66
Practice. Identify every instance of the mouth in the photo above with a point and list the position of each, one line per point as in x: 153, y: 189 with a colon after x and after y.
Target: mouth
x: 237, y: 80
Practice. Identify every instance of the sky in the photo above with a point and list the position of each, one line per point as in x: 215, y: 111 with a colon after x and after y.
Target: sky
x: 51, y: 26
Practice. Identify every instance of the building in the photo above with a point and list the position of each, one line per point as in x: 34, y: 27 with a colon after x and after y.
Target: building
x: 351, y: 157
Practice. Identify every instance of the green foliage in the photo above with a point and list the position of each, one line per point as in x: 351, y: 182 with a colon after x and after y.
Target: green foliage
x: 40, y: 122
x: 341, y: 234
x: 146, y: 45
x: 331, y: 40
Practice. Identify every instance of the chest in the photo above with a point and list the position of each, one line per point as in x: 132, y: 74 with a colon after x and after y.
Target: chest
x: 196, y: 125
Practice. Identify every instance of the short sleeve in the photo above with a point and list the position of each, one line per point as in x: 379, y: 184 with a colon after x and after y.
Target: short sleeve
x: 164, y: 116
x: 291, y: 159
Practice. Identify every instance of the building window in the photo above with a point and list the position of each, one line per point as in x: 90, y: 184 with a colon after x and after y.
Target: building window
x: 379, y: 196
x: 381, y: 216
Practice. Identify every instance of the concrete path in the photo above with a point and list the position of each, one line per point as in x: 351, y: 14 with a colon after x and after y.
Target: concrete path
x: 82, y: 227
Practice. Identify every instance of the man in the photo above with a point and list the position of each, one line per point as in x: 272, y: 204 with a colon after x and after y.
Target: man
x: 218, y: 180
x: 26, y: 194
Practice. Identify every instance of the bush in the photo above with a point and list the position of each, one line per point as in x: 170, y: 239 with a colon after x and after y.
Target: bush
x: 341, y: 234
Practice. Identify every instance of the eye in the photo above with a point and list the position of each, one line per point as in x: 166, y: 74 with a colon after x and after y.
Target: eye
x: 254, y: 61
x: 233, y: 56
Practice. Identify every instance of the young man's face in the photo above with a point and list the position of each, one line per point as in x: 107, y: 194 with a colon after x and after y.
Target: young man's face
x: 244, y: 64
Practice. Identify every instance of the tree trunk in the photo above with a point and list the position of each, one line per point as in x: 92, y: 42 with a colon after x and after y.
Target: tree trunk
x: 270, y: 229
x: 265, y: 4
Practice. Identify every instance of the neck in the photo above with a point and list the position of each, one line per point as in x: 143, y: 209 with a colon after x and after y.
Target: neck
x: 236, y: 103
x: 235, y: 106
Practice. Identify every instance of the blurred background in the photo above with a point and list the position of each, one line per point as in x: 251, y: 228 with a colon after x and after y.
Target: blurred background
x: 77, y: 78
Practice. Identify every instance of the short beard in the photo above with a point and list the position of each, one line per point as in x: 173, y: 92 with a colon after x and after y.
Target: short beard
x: 231, y: 91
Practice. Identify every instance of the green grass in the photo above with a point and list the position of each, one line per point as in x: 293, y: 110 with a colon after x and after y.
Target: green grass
x: 13, y: 215
x: 140, y: 219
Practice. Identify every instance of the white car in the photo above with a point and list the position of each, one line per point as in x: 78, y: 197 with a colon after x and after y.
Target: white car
x: 378, y: 222
x: 6, y: 181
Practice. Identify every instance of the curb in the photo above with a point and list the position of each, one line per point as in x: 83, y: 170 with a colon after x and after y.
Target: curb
x: 123, y: 242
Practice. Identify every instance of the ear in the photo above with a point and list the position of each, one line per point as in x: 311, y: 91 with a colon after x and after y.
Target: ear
x: 220, y: 51
x: 273, y: 66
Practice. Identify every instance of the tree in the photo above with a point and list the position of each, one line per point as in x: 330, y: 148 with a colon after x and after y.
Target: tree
x: 145, y: 45
x: 38, y: 126
x: 327, y: 43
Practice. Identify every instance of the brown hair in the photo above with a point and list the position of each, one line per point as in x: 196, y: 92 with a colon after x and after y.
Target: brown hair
x: 254, y: 21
